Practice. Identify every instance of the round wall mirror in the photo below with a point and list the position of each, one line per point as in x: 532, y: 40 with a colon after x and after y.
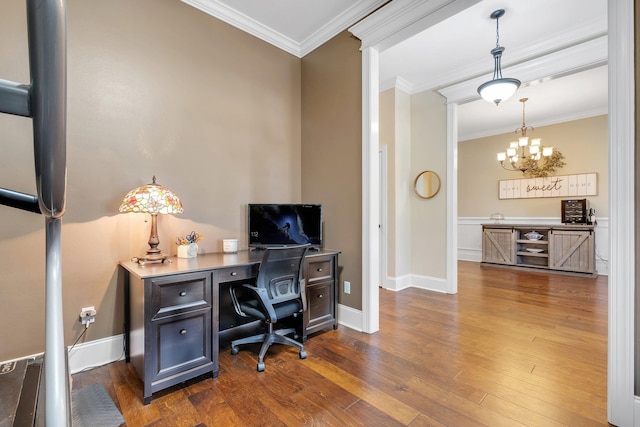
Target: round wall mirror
x: 427, y: 184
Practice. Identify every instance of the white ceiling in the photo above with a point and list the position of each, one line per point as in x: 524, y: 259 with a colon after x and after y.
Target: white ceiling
x: 557, y: 48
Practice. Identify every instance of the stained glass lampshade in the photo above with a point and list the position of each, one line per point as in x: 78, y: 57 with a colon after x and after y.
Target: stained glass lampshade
x: 153, y: 199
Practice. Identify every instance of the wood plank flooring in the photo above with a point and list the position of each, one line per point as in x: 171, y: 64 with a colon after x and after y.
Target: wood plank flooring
x: 512, y: 348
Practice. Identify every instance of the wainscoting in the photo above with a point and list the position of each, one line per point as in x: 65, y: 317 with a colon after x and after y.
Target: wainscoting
x: 470, y: 237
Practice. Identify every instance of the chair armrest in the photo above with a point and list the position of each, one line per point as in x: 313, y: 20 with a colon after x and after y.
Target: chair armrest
x: 236, y: 303
x: 303, y: 293
x: 263, y: 300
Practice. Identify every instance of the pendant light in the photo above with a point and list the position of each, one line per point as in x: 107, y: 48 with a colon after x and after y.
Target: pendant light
x: 498, y: 88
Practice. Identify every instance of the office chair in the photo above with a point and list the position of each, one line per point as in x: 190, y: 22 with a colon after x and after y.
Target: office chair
x: 278, y: 294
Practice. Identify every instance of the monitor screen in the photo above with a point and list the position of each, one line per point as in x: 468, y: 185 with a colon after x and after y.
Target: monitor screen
x: 285, y: 224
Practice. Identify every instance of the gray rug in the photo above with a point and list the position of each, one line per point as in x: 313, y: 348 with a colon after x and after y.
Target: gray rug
x: 92, y: 407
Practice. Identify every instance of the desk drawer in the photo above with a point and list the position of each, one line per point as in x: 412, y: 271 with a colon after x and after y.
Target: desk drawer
x: 183, y: 292
x: 231, y: 274
x: 320, y: 305
x: 320, y: 268
x: 183, y: 342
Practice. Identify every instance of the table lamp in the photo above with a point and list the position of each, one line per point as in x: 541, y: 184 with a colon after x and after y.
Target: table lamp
x: 153, y: 199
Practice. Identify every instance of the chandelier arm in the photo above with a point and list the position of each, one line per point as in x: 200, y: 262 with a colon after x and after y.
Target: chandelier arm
x: 512, y: 168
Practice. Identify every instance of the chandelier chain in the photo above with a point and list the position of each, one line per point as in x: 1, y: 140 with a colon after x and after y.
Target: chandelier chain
x: 524, y: 128
x: 498, y: 31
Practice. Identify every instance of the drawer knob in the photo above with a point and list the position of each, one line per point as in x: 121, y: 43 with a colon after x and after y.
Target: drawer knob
x: 319, y: 270
x: 233, y: 273
x: 319, y: 295
x: 183, y: 293
x: 183, y: 332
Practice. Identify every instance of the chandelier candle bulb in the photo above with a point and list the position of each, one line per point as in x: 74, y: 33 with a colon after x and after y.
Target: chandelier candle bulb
x: 528, y: 161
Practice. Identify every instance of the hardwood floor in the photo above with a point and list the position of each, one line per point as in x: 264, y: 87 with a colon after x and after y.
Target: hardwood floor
x: 511, y: 348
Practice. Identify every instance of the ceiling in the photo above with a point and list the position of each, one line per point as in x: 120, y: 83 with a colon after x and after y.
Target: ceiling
x: 558, y: 49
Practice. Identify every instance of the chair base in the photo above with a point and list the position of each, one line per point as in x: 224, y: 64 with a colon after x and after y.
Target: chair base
x: 271, y: 337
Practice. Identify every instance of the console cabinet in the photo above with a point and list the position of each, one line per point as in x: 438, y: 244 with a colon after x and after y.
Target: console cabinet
x: 567, y: 248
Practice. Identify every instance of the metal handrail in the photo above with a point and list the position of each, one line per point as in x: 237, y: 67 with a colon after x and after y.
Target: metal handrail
x: 45, y: 100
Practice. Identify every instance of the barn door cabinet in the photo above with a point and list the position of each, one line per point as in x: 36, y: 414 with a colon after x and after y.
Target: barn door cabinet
x: 498, y: 245
x: 563, y: 248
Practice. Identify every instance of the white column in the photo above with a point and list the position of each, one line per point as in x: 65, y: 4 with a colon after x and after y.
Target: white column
x: 621, y: 372
x: 452, y: 198
x: 370, y: 191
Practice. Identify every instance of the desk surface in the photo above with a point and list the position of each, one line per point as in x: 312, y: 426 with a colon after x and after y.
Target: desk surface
x: 203, y: 262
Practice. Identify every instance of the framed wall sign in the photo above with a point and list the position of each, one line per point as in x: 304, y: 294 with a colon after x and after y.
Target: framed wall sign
x: 585, y: 184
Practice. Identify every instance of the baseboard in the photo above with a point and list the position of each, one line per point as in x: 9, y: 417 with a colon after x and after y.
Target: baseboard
x: 397, y: 283
x: 435, y: 284
x: 89, y: 354
x: 350, y: 317
x: 470, y: 254
x: 96, y: 353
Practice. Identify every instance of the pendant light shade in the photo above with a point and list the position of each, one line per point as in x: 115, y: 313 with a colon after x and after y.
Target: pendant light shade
x: 498, y: 88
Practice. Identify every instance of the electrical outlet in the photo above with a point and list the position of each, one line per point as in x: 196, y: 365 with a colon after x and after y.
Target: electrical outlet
x: 347, y: 287
x: 88, y: 315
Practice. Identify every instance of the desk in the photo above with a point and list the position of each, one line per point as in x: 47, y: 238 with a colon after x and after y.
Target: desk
x: 175, y: 312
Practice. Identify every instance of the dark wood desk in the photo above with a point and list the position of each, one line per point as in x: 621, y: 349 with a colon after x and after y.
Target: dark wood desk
x: 176, y: 312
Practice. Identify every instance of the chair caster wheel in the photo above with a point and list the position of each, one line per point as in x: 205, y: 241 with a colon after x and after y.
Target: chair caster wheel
x: 234, y: 350
x: 303, y: 354
x: 260, y: 366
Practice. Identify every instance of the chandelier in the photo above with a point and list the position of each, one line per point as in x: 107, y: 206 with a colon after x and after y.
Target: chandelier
x: 498, y: 88
x: 525, y: 155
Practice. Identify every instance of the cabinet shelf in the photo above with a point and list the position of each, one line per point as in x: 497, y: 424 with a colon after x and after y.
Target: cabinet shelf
x: 533, y: 254
x: 533, y: 242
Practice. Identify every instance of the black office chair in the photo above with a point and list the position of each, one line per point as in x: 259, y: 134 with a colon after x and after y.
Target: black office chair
x: 278, y: 294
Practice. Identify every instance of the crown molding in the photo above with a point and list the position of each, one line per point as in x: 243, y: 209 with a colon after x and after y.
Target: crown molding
x: 401, y: 19
x: 232, y: 17
x: 397, y: 83
x: 338, y: 24
x: 585, y: 114
x: 584, y: 56
x: 221, y: 11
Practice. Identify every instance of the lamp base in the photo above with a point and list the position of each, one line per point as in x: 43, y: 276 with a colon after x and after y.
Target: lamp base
x: 152, y: 256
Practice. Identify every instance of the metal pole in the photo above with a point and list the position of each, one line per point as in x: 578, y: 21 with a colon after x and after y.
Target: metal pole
x: 46, y: 20
x: 57, y: 400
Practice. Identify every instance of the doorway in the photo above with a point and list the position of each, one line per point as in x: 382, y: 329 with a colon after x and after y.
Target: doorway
x: 399, y: 26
